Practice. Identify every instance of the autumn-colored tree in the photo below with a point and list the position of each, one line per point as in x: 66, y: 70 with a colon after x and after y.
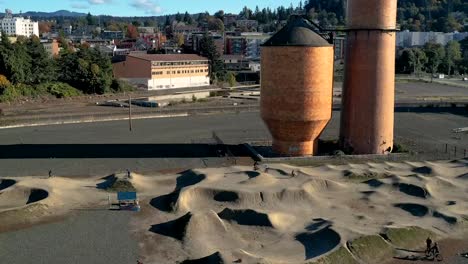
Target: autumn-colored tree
x: 180, y: 39
x: 4, y: 83
x: 132, y: 32
x: 44, y: 27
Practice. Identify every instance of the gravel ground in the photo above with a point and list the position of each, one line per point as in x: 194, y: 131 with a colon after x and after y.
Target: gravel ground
x: 87, y: 237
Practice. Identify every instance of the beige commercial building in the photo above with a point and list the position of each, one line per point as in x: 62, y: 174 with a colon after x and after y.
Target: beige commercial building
x: 163, y: 71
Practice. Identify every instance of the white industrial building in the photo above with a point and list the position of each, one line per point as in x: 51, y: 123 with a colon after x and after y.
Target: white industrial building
x: 406, y: 39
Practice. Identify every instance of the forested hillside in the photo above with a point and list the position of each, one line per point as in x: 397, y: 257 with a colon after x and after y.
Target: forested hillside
x: 414, y: 15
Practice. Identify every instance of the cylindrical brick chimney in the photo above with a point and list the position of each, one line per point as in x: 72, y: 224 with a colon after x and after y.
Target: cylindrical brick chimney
x: 296, y: 87
x: 367, y: 115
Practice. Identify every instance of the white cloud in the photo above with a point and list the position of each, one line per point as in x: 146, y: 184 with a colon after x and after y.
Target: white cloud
x: 79, y: 6
x: 98, y: 2
x: 149, y: 6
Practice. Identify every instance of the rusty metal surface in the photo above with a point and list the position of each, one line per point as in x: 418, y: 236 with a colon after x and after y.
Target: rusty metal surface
x: 296, y: 102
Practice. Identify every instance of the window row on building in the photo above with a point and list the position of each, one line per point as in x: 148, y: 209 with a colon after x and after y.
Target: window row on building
x: 179, y: 63
x: 180, y: 72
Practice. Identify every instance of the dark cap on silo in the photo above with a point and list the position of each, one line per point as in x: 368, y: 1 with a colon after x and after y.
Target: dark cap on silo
x: 297, y: 32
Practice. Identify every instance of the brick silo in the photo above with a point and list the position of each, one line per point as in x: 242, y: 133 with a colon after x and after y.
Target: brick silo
x: 296, y: 87
x: 367, y: 115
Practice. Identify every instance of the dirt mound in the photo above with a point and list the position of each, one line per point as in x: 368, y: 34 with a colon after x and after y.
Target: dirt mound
x: 319, y: 243
x: 20, y: 196
x: 246, y: 217
x: 250, y: 174
x: 5, y: 183
x: 319, y: 185
x: 175, y: 228
x: 357, y: 174
x: 169, y: 202
x: 414, y: 209
x: 203, y: 197
x: 412, y: 190
x: 261, y: 179
x: 215, y: 258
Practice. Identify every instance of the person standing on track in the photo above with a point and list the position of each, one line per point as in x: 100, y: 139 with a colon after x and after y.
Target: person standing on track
x: 428, y: 244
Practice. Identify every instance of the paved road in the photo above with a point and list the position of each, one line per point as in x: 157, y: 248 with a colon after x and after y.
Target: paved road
x: 98, y: 237
x: 157, y: 144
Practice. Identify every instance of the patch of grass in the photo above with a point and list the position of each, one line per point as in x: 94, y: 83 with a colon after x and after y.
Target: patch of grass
x: 399, y: 148
x: 371, y: 249
x: 408, y: 238
x: 339, y: 256
x: 121, y: 186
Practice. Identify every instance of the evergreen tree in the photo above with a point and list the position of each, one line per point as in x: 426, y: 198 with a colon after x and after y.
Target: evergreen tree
x: 42, y: 66
x: 208, y: 49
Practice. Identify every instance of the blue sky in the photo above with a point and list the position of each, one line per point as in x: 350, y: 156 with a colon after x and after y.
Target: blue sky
x: 139, y: 7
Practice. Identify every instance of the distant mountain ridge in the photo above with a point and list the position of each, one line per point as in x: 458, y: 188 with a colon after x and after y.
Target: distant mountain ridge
x: 59, y: 13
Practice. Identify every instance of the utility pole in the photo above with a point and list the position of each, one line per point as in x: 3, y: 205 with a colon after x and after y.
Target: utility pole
x: 130, y: 112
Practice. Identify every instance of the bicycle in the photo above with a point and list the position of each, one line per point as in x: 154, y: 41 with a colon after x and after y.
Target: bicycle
x: 434, y: 254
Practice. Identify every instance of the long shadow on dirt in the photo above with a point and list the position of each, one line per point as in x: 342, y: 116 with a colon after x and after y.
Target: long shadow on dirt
x: 319, y: 243
x: 167, y: 202
x: 6, y: 183
x: 215, y: 258
x: 175, y: 228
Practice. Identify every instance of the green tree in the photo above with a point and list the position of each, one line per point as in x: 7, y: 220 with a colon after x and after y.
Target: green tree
x: 435, y: 56
x: 219, y: 14
x: 417, y: 59
x: 42, y: 66
x: 90, y: 20
x: 215, y: 24
x: 89, y: 70
x: 179, y: 17
x: 208, y: 49
x: 453, y: 55
x: 188, y: 19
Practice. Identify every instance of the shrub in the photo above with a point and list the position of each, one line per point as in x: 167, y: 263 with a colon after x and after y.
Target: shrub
x: 231, y: 78
x: 194, y: 98
x: 30, y: 91
x: 399, y: 148
x: 119, y: 86
x: 59, y: 90
x: 9, y: 94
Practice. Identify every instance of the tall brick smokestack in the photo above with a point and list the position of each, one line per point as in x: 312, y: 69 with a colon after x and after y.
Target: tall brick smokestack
x: 367, y: 115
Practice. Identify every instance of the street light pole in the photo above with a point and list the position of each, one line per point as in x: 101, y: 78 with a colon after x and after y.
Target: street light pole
x: 130, y: 112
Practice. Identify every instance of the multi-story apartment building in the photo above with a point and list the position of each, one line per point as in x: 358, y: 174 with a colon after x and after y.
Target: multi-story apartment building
x: 163, y: 71
x: 18, y: 26
x: 108, y: 34
x: 247, y: 44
